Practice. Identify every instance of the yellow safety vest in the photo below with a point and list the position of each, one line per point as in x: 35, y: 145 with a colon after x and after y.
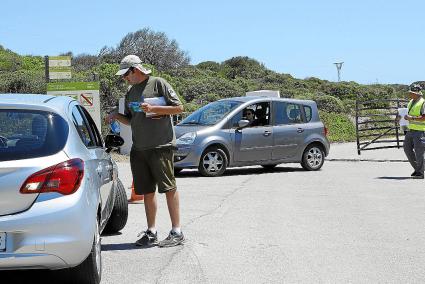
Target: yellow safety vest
x: 415, y: 110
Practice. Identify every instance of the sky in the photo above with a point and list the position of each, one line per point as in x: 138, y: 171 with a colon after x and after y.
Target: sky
x: 378, y: 41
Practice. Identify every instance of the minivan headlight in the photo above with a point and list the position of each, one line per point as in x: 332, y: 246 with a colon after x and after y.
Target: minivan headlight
x: 186, y: 139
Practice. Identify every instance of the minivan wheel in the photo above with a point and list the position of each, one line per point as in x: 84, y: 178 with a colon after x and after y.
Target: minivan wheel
x: 213, y: 162
x: 313, y: 158
x: 119, y: 214
x: 90, y: 270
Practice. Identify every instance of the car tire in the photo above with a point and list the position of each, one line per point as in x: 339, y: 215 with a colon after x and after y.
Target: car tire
x: 213, y: 162
x: 90, y: 270
x: 119, y: 215
x: 269, y: 167
x: 313, y: 158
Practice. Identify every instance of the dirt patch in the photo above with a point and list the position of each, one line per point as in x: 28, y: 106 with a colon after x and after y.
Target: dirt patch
x: 117, y: 157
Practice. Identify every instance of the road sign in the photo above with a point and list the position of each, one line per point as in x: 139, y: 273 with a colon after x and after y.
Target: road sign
x: 87, y: 93
x: 86, y: 99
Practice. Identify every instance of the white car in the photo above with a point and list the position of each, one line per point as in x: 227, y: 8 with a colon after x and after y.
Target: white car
x: 59, y: 187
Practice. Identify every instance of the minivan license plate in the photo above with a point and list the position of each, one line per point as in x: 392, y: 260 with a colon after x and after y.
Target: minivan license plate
x: 2, y: 241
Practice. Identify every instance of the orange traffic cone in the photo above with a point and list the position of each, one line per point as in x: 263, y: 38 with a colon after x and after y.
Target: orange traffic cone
x: 135, y: 198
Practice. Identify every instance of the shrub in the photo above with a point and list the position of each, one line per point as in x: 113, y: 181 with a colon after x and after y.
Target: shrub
x: 340, y: 127
x: 329, y: 104
x: 23, y: 81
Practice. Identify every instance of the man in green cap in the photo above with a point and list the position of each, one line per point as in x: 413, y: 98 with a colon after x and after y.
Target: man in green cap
x: 149, y: 104
x: 414, y: 140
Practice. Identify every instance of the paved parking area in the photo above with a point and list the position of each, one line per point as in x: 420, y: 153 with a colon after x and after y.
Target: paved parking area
x: 358, y: 220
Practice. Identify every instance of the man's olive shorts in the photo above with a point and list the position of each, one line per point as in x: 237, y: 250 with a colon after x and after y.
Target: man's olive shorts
x: 152, y: 168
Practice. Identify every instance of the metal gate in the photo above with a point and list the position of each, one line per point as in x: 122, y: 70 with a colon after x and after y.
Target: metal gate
x: 377, y: 125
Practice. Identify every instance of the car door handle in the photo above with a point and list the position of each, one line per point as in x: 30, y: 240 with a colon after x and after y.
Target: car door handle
x: 267, y: 133
x: 300, y: 130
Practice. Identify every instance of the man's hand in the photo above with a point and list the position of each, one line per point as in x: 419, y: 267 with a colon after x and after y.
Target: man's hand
x: 409, y: 117
x: 110, y: 117
x: 147, y: 107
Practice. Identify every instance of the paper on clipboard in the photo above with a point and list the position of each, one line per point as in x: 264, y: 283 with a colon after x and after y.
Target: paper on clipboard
x: 403, y: 112
x: 157, y: 101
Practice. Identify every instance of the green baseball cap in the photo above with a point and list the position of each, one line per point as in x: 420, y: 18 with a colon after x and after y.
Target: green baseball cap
x: 132, y: 61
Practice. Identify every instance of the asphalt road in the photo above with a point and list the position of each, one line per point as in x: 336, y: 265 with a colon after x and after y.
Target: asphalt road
x: 358, y: 220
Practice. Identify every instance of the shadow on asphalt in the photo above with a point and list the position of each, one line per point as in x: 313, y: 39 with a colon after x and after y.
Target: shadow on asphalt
x: 38, y: 276
x: 125, y: 246
x: 394, y: 178
x: 242, y: 171
x: 111, y: 234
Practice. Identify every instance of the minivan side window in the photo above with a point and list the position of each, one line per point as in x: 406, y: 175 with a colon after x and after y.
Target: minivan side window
x: 308, y: 113
x: 235, y: 119
x: 288, y: 113
x: 82, y: 128
x: 257, y: 114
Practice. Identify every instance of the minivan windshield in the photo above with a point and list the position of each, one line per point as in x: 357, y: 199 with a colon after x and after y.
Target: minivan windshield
x: 211, y: 113
x: 28, y: 134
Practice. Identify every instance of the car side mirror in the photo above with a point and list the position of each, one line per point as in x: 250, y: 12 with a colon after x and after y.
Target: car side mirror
x: 242, y: 123
x: 113, y: 141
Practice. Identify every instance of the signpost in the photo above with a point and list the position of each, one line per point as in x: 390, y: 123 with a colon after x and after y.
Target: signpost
x: 87, y: 93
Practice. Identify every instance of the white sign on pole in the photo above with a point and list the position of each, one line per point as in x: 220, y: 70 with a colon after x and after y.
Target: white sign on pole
x: 59, y: 67
x: 87, y: 93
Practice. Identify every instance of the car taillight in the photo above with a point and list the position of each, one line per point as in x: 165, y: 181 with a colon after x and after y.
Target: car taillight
x: 64, y: 178
x: 325, y: 131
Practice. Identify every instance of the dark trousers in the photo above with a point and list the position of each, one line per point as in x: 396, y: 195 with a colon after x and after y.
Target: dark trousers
x: 414, y: 148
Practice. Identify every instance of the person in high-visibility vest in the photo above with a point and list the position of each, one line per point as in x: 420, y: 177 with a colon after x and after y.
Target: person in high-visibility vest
x: 414, y: 141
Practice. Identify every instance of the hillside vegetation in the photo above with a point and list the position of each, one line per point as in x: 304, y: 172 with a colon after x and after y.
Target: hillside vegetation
x: 196, y: 84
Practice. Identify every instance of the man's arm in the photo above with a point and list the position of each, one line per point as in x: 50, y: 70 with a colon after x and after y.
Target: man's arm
x: 118, y: 116
x: 172, y: 101
x: 162, y: 110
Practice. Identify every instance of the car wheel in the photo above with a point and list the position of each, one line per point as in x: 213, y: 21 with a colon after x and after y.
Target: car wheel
x: 313, y: 158
x: 269, y: 167
x: 90, y: 270
x: 119, y: 214
x: 213, y: 162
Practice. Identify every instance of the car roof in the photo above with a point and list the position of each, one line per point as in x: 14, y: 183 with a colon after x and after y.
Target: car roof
x: 36, y: 101
x: 245, y: 99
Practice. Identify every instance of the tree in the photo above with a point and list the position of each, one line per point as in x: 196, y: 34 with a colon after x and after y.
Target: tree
x: 152, y: 47
x: 244, y: 67
x: 83, y: 62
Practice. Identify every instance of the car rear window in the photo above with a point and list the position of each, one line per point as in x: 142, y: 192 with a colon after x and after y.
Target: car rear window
x: 28, y: 134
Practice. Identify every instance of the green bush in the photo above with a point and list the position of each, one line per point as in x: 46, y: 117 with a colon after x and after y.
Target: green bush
x: 329, y: 104
x: 192, y: 89
x: 9, y: 61
x: 33, y: 63
x: 23, y: 81
x: 340, y: 128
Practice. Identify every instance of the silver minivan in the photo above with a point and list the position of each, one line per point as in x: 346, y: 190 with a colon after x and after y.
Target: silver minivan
x: 244, y: 131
